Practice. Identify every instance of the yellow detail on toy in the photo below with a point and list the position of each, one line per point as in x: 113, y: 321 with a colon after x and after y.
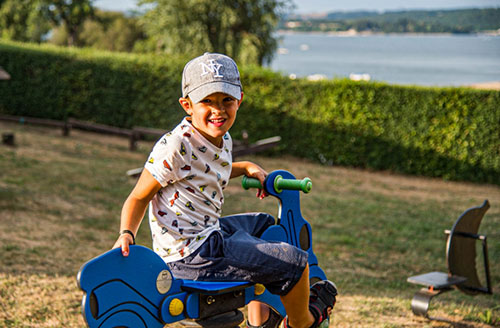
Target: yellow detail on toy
x: 175, y: 307
x: 259, y: 289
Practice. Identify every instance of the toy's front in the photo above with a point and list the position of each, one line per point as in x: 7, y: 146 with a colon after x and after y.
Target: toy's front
x: 292, y: 227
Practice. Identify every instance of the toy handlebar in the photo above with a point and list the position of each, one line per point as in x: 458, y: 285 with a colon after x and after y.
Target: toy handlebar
x: 280, y: 184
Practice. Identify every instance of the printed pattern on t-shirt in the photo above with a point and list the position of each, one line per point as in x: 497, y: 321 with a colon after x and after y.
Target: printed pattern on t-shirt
x: 193, y: 174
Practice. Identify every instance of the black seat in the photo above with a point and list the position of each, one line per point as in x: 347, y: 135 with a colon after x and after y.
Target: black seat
x: 461, y: 260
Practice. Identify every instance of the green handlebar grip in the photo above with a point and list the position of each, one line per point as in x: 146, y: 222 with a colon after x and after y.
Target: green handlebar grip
x: 289, y: 184
x: 248, y: 183
x: 280, y: 184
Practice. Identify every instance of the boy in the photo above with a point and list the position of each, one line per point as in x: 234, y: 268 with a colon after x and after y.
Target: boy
x: 183, y: 181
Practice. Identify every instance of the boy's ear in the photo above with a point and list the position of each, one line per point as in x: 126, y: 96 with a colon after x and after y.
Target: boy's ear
x: 186, y: 105
x: 241, y: 99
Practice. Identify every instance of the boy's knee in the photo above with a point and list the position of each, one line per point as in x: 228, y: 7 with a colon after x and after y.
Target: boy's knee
x: 268, y: 218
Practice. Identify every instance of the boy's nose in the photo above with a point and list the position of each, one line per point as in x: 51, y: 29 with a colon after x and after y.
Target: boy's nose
x: 217, y: 107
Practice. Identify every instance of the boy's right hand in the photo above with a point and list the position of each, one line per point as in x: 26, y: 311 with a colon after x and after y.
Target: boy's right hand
x: 124, y: 242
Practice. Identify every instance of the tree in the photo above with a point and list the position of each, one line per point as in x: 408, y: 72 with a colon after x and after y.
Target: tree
x: 105, y: 30
x: 21, y: 20
x: 71, y: 14
x: 256, y: 21
x: 226, y: 26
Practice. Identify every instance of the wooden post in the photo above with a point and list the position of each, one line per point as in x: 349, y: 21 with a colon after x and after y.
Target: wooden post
x: 134, y: 137
x: 66, y: 128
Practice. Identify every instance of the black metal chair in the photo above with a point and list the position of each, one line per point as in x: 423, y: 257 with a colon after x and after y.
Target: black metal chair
x: 461, y: 260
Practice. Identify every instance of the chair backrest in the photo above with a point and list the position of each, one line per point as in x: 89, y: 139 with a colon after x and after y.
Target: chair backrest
x: 461, y: 250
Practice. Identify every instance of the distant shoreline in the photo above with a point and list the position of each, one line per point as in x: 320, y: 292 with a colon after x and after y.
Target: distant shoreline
x: 369, y: 33
x: 494, y: 85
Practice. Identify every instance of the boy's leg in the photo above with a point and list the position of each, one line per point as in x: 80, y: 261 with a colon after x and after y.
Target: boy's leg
x: 258, y: 313
x: 296, y: 303
x: 308, y: 306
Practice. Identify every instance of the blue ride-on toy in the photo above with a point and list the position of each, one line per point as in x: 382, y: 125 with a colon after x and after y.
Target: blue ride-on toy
x: 139, y: 291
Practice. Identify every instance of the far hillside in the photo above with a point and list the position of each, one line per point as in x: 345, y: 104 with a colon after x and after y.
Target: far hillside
x: 414, y: 21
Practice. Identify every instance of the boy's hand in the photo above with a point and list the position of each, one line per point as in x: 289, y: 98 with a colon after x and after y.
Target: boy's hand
x: 251, y: 170
x: 255, y: 171
x: 124, y: 241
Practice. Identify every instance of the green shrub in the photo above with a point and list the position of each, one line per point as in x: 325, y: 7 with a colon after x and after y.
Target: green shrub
x: 444, y: 132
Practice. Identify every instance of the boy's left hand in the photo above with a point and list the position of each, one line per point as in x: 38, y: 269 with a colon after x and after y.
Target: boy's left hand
x: 255, y: 171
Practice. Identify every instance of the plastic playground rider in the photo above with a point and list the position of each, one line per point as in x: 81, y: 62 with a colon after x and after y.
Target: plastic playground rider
x: 183, y: 183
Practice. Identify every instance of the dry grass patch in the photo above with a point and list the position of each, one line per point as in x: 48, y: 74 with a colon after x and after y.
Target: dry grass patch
x: 39, y: 301
x: 366, y: 312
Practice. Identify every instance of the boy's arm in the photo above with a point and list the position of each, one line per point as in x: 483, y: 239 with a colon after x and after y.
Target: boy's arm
x: 251, y: 170
x: 134, y: 208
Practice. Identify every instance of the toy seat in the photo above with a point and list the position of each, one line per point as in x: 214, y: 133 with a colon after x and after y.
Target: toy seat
x: 461, y: 260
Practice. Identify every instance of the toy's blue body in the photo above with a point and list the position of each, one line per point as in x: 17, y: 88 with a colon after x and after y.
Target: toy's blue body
x: 139, y: 290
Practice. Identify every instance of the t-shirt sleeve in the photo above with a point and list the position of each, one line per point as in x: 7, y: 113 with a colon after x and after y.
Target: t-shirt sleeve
x: 170, y: 160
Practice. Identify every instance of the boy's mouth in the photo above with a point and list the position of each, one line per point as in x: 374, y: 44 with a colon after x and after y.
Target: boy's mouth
x: 218, y: 122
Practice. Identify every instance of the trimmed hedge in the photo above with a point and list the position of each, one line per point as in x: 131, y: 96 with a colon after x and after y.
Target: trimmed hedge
x: 103, y: 87
x: 452, y: 133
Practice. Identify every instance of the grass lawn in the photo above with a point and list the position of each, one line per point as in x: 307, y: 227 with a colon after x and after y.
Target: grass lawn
x: 60, y: 200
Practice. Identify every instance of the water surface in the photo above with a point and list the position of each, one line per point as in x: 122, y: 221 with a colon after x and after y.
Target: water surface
x: 439, y: 60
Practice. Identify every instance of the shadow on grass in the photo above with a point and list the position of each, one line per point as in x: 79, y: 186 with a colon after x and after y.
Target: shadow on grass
x: 452, y: 323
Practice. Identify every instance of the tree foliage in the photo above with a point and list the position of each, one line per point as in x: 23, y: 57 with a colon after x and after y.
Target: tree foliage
x: 71, y: 14
x: 105, y: 30
x: 111, y: 31
x: 242, y: 29
x: 21, y: 20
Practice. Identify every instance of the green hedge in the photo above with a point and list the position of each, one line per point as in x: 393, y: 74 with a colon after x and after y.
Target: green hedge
x: 109, y: 88
x: 445, y: 132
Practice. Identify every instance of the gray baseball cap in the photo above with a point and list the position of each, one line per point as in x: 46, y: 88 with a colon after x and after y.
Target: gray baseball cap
x: 208, y: 74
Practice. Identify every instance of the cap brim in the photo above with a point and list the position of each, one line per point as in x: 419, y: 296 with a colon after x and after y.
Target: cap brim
x: 198, y: 94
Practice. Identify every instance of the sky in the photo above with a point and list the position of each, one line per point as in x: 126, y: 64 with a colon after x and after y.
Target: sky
x: 314, y: 6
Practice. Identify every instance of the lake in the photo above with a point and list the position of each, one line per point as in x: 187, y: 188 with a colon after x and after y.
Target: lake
x: 439, y: 60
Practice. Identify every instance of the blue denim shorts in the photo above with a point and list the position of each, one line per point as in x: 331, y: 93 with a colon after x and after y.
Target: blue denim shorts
x: 235, y: 253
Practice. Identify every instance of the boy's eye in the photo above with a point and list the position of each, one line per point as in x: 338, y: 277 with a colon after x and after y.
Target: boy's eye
x: 206, y: 101
x: 228, y: 99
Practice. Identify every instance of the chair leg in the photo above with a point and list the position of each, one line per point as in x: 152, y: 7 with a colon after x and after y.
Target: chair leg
x: 422, y: 299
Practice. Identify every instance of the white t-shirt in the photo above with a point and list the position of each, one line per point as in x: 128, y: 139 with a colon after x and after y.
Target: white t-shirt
x: 193, y: 173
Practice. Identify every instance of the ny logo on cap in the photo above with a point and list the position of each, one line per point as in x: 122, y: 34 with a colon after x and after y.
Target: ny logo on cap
x: 212, y: 66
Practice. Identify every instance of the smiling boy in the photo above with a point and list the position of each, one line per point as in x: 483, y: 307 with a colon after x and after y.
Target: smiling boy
x: 183, y: 183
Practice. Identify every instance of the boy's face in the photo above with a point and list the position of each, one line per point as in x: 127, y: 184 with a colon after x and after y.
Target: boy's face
x: 213, y: 116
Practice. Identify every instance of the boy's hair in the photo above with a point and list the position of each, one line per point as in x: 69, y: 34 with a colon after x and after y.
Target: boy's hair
x: 208, y: 74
